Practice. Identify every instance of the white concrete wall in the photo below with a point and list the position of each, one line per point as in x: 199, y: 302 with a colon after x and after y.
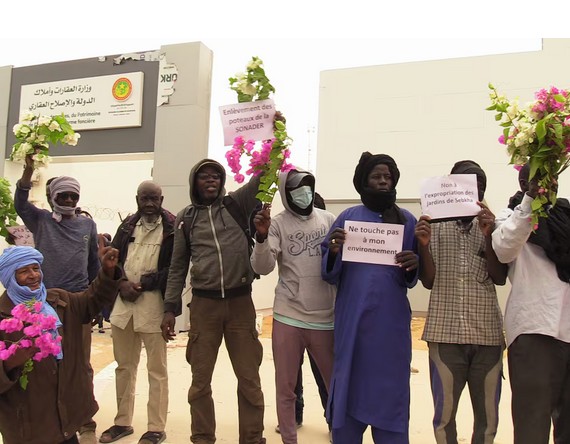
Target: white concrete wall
x: 428, y: 115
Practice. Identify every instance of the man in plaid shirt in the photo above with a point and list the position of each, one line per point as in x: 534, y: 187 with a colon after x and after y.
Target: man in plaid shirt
x: 464, y: 324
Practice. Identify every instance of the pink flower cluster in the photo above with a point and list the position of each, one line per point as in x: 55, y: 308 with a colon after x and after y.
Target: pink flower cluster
x: 35, y: 327
x: 259, y: 159
x: 546, y: 101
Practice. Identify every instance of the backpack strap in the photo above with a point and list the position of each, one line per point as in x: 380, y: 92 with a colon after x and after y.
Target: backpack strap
x: 242, y: 220
x: 186, y: 223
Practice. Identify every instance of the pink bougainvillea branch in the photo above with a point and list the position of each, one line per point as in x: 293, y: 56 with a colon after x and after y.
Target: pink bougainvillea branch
x: 271, y: 158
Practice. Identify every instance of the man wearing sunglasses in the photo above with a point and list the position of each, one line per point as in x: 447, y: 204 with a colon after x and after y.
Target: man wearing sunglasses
x: 68, y: 242
x: 209, y: 236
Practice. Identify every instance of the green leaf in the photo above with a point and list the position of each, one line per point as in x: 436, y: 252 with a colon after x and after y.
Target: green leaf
x: 28, y: 367
x: 536, y: 204
x: 534, y: 166
x: 541, y: 130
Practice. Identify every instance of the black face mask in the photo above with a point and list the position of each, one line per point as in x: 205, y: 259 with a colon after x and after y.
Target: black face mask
x: 383, y: 202
x: 378, y: 201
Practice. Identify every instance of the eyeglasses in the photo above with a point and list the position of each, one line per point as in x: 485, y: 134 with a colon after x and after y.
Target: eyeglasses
x: 207, y: 176
x: 65, y: 196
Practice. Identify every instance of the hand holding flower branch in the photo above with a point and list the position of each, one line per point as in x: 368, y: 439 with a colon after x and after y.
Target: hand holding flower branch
x: 272, y: 157
x: 537, y: 134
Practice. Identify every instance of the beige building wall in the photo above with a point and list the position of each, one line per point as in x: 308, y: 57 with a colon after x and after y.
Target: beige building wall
x: 428, y: 115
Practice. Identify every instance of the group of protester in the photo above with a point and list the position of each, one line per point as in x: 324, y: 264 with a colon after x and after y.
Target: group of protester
x: 353, y: 318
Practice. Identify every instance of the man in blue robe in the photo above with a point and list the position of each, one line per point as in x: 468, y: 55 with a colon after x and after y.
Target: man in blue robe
x: 370, y: 385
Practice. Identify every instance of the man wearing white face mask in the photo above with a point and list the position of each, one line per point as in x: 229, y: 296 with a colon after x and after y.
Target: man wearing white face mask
x: 304, y: 303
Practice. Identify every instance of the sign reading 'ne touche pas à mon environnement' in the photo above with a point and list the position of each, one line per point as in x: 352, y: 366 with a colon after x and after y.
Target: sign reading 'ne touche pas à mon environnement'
x: 113, y: 101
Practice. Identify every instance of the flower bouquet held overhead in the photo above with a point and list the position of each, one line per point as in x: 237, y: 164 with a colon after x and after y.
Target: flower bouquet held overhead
x: 537, y: 134
x: 256, y: 121
x: 35, y: 133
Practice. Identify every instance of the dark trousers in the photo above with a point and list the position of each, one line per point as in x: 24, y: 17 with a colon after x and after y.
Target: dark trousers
x: 232, y: 319
x: 451, y: 367
x: 353, y: 430
x: 539, y: 370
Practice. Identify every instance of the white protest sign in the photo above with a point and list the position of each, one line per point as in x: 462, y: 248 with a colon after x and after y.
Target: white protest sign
x: 454, y: 195
x: 22, y: 236
x: 372, y: 243
x: 251, y: 120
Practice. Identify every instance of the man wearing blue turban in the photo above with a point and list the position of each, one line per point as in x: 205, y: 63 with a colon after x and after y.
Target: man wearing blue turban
x: 59, y: 397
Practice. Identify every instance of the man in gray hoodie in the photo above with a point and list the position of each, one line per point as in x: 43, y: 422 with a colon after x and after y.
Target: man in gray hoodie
x: 304, y: 303
x: 208, y: 234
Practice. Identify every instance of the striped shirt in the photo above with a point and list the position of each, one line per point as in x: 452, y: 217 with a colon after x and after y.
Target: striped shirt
x: 463, y: 306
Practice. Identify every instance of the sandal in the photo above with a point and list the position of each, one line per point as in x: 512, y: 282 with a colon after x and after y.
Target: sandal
x: 115, y: 432
x: 152, y: 438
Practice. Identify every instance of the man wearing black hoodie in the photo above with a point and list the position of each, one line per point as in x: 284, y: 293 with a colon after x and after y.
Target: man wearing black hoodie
x: 221, y: 307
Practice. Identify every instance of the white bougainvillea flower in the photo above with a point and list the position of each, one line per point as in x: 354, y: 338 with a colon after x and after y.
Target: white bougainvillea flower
x: 255, y: 63
x: 27, y: 147
x: 71, y: 140
x: 44, y: 120
x: 34, y: 133
x: 54, y: 126
x: 27, y: 116
x: 248, y: 89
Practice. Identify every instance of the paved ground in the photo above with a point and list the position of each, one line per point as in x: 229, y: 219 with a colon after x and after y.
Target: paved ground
x: 314, y: 430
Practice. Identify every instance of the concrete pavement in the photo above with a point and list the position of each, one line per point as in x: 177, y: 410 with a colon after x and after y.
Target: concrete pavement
x: 314, y: 428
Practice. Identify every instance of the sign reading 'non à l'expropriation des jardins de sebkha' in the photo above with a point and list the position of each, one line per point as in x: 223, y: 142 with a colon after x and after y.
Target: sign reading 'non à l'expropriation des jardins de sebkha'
x: 113, y: 101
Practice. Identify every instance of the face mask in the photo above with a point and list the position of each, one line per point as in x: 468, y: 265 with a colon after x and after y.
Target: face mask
x: 302, y: 196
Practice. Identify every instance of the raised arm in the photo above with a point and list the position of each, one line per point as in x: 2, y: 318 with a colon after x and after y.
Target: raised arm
x: 267, y: 246
x: 497, y: 270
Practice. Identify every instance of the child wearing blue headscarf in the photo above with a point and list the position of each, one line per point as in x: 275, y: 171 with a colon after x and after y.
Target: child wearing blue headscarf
x: 59, y: 396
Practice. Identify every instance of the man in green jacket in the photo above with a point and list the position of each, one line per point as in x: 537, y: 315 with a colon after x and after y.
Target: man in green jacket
x: 221, y: 307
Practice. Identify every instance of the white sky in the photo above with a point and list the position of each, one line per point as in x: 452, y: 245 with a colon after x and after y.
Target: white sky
x: 295, y: 39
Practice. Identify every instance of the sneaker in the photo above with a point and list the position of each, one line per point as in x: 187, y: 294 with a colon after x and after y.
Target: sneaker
x: 299, y: 425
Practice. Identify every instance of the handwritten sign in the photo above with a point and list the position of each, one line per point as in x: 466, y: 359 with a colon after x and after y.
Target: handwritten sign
x: 22, y: 236
x: 113, y: 101
x: 251, y: 120
x: 372, y: 243
x: 454, y: 195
